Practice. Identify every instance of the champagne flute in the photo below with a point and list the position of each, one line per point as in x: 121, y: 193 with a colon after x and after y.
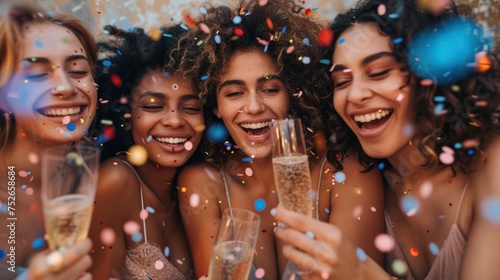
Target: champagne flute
x: 69, y: 178
x: 291, y: 167
x: 233, y: 254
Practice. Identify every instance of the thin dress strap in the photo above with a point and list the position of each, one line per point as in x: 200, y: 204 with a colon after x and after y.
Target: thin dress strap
x: 142, y: 200
x: 226, y: 189
x: 461, y: 199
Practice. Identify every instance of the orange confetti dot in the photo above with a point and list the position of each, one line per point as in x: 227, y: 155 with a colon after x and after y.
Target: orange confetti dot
x: 414, y: 252
x: 270, y: 24
x: 155, y: 34
x: 483, y: 62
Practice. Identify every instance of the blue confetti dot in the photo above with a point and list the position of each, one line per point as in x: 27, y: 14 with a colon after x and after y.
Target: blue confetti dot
x: 166, y: 251
x: 37, y: 243
x: 167, y: 35
x: 217, y: 39
x: 2, y: 254
x: 105, y: 32
x: 439, y: 98
x: 306, y: 42
x: 340, y: 177
x: 325, y: 61
x: 3, y: 208
x: 137, y: 237
x: 119, y: 52
x: 283, y: 30
x: 310, y: 234
x: 393, y: 15
x: 150, y: 209
x: 112, y: 22
x: 260, y: 204
x: 183, y: 26
x: 150, y: 137
x: 361, y: 254
x: 237, y: 20
x: 444, y: 50
x: 410, y: 205
x: 327, y: 210
x: 381, y: 166
x: 398, y: 40
x: 106, y: 63
x: 438, y: 109
x: 470, y: 152
x: 204, y: 77
x: 490, y: 209
x: 23, y: 187
x: 306, y: 60
x: 203, y: 10
x: 217, y: 132
x: 38, y: 43
x: 341, y: 41
x: 433, y: 248
x: 457, y: 145
x: 246, y: 159
x: 71, y: 126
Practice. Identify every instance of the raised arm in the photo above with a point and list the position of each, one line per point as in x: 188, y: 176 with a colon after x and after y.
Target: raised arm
x: 199, y: 192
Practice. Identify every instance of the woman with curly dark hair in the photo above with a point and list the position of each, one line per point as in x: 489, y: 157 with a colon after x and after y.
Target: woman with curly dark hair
x: 252, y: 64
x: 420, y: 91
x: 159, y: 124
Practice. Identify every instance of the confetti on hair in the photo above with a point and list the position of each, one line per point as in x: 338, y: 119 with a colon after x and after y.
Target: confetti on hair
x: 217, y: 39
x: 239, y: 32
x: 381, y: 10
x: 183, y: 26
x: 106, y: 63
x: 116, y: 80
x: 189, y: 21
x: 290, y: 49
x: 159, y: 265
x: 236, y: 19
x: 204, y: 28
x: 325, y: 37
x: 155, y: 33
x: 306, y: 60
x: 269, y: 23
x: 203, y: 10
x: 483, y: 62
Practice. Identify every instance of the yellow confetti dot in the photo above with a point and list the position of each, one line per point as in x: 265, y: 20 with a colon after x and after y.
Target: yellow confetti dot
x: 137, y: 155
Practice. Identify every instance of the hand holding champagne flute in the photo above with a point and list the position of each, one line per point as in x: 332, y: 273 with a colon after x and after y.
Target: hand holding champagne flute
x: 291, y: 167
x: 233, y: 254
x: 69, y: 178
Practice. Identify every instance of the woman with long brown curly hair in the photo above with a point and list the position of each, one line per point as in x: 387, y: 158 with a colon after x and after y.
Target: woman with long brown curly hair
x: 252, y: 64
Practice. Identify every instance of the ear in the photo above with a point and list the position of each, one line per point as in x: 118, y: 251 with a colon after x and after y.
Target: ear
x: 216, y: 112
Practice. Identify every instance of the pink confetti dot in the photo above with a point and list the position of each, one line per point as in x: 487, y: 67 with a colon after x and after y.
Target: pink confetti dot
x: 357, y: 211
x: 66, y: 119
x: 471, y: 143
x: 33, y: 158
x: 381, y: 10
x: 373, y: 209
x: 108, y: 236
x: 260, y: 273
x: 23, y: 173
x: 179, y: 261
x: 446, y: 158
x: 188, y: 146
x: 143, y: 214
x: 29, y: 191
x: 194, y: 200
x: 248, y: 171
x: 400, y: 97
x: 425, y: 190
x: 159, y: 265
x: 448, y: 150
x: 262, y: 2
x: 131, y: 227
x: 204, y: 28
x: 290, y: 49
x: 426, y: 82
x: 384, y: 242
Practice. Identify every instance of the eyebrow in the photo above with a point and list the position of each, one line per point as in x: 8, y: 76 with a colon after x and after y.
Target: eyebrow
x: 46, y: 60
x: 162, y: 96
x: 260, y: 80
x: 366, y: 60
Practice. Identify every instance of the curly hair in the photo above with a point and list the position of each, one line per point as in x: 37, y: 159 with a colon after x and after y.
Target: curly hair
x: 125, y: 57
x: 283, y: 31
x: 464, y: 119
x: 12, y: 19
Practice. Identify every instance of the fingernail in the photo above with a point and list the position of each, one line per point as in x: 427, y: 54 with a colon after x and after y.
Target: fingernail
x: 325, y: 275
x: 273, y: 212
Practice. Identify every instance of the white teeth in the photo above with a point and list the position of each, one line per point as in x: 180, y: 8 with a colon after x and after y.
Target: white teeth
x: 372, y: 116
x: 62, y: 112
x: 254, y: 125
x: 169, y: 140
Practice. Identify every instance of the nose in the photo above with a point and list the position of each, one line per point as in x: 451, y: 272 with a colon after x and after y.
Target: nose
x: 173, y: 118
x: 62, y: 85
x: 254, y: 104
x: 359, y: 92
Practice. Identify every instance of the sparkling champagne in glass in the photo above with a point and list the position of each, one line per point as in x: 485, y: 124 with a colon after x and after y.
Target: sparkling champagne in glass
x: 69, y: 178
x: 291, y: 167
x: 233, y: 254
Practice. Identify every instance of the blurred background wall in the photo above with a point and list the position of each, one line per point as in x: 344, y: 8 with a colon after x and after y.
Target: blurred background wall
x: 153, y: 13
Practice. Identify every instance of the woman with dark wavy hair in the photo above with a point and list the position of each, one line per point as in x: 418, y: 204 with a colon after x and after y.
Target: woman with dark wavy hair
x: 419, y: 91
x: 252, y: 64
x: 159, y: 123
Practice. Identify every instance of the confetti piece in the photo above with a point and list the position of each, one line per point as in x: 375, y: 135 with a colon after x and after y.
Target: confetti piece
x: 237, y: 20
x: 194, y: 200
x: 361, y: 254
x: 409, y: 205
x: 116, y: 80
x: 340, y: 177
x: 382, y: 9
x: 309, y: 234
x: 106, y: 63
x: 137, y: 237
x: 269, y: 23
x: 38, y: 243
x: 290, y: 49
x: 260, y: 204
x: 426, y: 190
x: 108, y: 236
x: 166, y: 251
x: 248, y: 171
x: 446, y: 158
x: 260, y: 272
x: 384, y: 242
x: 434, y: 248
x: 414, y: 252
x: 217, y: 132
x: 159, y: 265
x: 399, y: 267
x: 188, y: 145
x: 131, y: 227
x: 325, y: 37
x: 137, y: 155
x: 306, y: 60
x: 238, y: 31
x: 341, y: 41
x: 33, y: 158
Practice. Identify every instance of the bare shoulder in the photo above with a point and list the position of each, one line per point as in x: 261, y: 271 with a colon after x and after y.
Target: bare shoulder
x: 486, y: 178
x: 197, y: 176
x: 356, y: 174
x: 116, y: 178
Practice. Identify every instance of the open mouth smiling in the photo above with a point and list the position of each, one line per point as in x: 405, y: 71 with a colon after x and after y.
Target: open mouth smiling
x: 255, y: 129
x: 372, y: 120
x: 172, y: 141
x: 58, y: 112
